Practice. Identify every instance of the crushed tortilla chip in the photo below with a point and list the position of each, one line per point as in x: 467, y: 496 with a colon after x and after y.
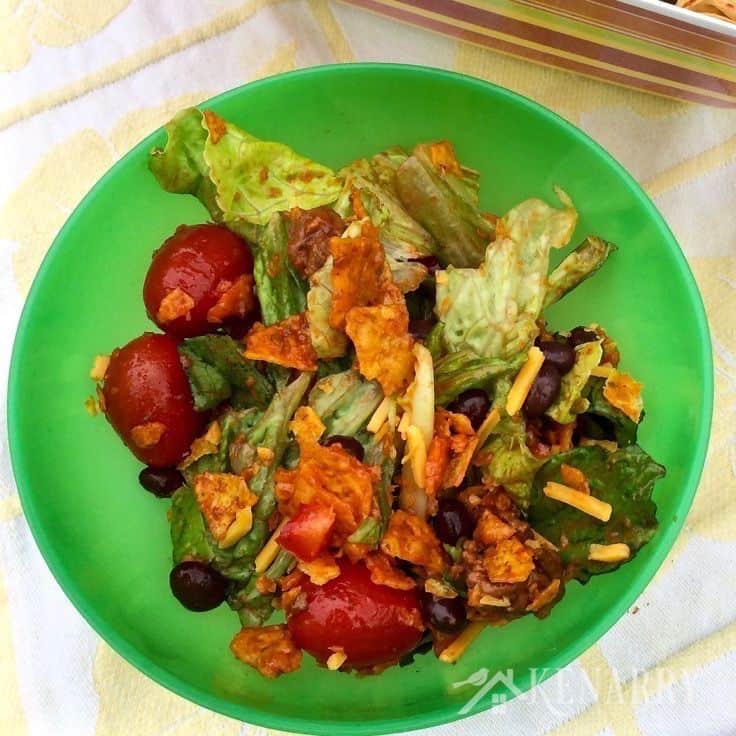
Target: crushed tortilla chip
x: 321, y: 570
x: 235, y: 300
x: 442, y: 155
x: 461, y: 440
x: 383, y: 345
x: 574, y: 477
x: 356, y: 551
x: 438, y: 458
x: 148, y: 434
x: 545, y: 596
x: 410, y: 538
x: 384, y: 573
x: 207, y: 444
x: 509, y: 561
x: 623, y: 392
x: 177, y: 303
x: 306, y: 425
x: 359, y: 273
x: 286, y: 343
x: 222, y: 497
x: 490, y: 529
x: 332, y: 477
x: 269, y: 649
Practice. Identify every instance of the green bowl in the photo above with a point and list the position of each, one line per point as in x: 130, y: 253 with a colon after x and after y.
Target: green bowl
x: 106, y: 540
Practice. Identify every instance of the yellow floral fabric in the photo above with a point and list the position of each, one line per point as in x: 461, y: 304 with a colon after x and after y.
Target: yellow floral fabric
x: 77, y: 81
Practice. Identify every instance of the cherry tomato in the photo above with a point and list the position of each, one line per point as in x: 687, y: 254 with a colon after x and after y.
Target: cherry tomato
x: 199, y: 278
x: 374, y: 624
x: 306, y: 535
x: 148, y: 400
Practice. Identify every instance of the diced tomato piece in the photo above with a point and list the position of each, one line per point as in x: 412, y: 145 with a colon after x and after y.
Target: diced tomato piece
x: 307, y: 533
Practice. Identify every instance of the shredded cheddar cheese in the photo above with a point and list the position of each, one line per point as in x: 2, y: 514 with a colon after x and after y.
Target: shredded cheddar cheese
x: 380, y: 415
x: 99, y: 367
x: 489, y: 424
x: 524, y: 380
x: 268, y: 554
x: 603, y: 371
x: 336, y: 660
x: 238, y: 529
x: 581, y: 501
x: 609, y: 552
x: 457, y: 648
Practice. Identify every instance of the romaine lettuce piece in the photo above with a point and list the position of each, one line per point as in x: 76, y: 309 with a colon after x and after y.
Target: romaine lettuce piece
x: 241, y: 180
x: 570, y: 401
x: 625, y: 479
x: 578, y: 266
x: 217, y: 371
x: 345, y: 402
x: 326, y: 340
x: 442, y: 197
x: 603, y: 421
x: 493, y: 310
x: 281, y: 293
x: 463, y: 370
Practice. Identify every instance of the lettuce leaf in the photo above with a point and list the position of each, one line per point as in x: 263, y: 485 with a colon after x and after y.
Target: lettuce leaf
x: 578, y: 266
x: 326, y: 340
x: 241, y: 180
x: 570, y: 401
x: 280, y: 291
x: 345, y: 402
x: 512, y: 463
x: 444, y: 201
x: 217, y: 371
x: 493, y: 310
x: 402, y: 237
x: 602, y: 420
x: 625, y: 479
x: 463, y: 370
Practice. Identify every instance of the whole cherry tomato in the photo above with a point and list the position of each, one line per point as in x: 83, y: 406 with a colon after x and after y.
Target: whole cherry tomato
x: 148, y: 400
x: 373, y: 624
x: 201, y: 277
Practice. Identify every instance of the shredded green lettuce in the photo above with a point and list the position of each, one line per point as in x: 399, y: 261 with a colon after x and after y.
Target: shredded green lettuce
x: 602, y: 420
x: 625, y: 479
x: 445, y: 204
x: 570, y: 401
x: 492, y: 310
x: 326, y: 340
x: 241, y: 180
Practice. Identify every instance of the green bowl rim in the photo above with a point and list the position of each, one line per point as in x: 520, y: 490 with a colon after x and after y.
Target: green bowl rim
x: 440, y: 716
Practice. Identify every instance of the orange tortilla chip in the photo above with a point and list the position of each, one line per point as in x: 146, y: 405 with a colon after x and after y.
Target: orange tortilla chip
x: 269, y: 649
x: 623, y: 392
x: 509, y: 561
x: 148, y: 434
x: 331, y: 477
x: 235, y: 300
x: 221, y: 497
x: 490, y: 529
x: 321, y: 570
x: 438, y: 458
x: 410, y: 538
x: 442, y: 155
x: 359, y: 274
x: 207, y: 444
x: 383, y: 345
x: 286, y: 343
x: 384, y: 573
x: 177, y: 303
x: 306, y: 425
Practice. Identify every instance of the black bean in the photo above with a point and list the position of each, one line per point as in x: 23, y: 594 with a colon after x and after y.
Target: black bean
x: 197, y: 586
x: 444, y: 614
x: 474, y: 404
x: 559, y: 354
x: 579, y: 335
x: 162, y: 482
x: 349, y: 444
x: 544, y: 391
x: 452, y: 521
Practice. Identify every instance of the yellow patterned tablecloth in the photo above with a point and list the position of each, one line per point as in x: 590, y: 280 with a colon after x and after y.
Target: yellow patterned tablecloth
x: 81, y: 81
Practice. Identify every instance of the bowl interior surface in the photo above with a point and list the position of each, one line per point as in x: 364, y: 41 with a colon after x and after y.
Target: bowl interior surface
x: 107, y: 541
